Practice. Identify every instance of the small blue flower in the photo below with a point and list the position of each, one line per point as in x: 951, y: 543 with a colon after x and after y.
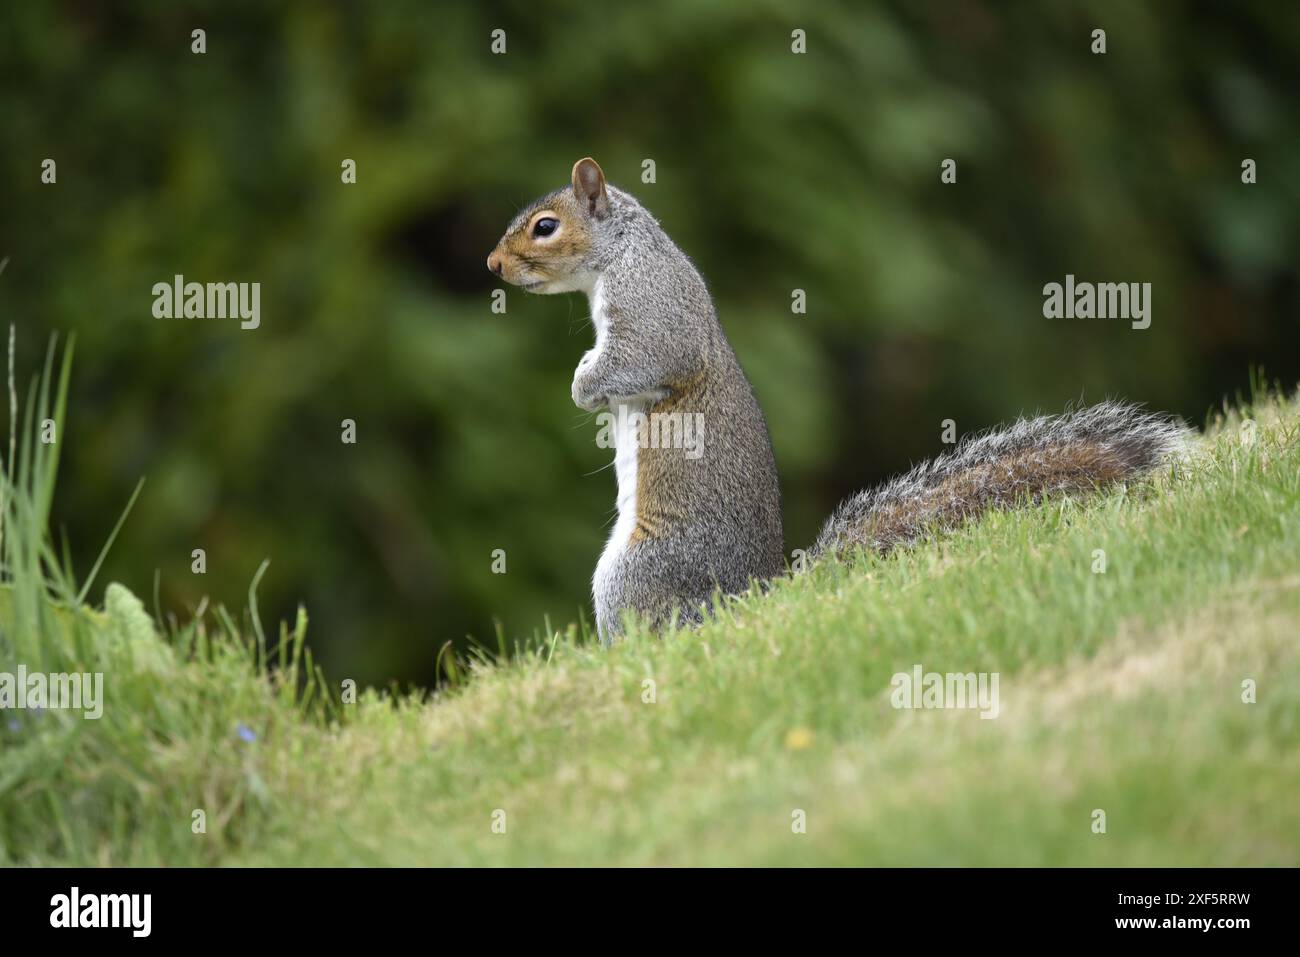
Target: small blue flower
x: 14, y: 726
x: 246, y: 733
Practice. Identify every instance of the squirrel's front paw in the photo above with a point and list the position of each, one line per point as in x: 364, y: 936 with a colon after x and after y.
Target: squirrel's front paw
x: 585, y: 396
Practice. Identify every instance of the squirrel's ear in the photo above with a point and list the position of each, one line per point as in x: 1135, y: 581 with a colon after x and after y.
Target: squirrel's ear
x: 589, y: 186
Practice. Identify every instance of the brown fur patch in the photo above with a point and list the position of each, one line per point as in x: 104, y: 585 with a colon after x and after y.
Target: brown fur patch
x: 657, y: 469
x: 526, y: 258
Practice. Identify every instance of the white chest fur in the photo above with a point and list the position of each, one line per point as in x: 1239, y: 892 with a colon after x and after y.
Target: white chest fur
x: 626, y: 447
x: 624, y: 460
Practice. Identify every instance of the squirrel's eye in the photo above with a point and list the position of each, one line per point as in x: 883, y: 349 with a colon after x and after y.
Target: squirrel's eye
x: 545, y: 226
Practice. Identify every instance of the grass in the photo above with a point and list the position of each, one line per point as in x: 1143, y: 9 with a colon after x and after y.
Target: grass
x: 1120, y: 691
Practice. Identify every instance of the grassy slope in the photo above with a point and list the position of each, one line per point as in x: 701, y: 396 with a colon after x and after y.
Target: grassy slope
x: 1119, y: 691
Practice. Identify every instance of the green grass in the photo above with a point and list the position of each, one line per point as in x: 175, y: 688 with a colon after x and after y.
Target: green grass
x: 1119, y: 691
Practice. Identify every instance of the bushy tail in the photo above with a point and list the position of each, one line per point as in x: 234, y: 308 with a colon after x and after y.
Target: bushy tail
x: 1073, y: 452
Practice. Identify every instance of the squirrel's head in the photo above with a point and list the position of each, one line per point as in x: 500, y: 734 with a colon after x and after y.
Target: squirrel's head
x: 548, y: 248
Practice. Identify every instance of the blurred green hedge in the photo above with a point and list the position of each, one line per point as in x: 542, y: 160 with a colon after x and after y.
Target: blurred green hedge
x: 775, y: 171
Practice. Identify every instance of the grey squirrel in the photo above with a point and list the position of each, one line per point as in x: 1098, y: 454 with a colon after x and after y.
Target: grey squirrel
x: 688, y: 525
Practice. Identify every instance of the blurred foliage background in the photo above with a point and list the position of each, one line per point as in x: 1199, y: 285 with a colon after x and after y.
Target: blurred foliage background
x: 775, y: 171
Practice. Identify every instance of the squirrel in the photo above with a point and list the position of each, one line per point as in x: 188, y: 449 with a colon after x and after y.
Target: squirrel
x: 690, y: 526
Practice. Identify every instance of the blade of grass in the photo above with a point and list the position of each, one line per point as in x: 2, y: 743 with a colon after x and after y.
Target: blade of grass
x: 103, y: 552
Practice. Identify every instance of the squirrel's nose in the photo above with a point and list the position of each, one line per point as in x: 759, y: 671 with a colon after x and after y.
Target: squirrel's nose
x: 494, y: 263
